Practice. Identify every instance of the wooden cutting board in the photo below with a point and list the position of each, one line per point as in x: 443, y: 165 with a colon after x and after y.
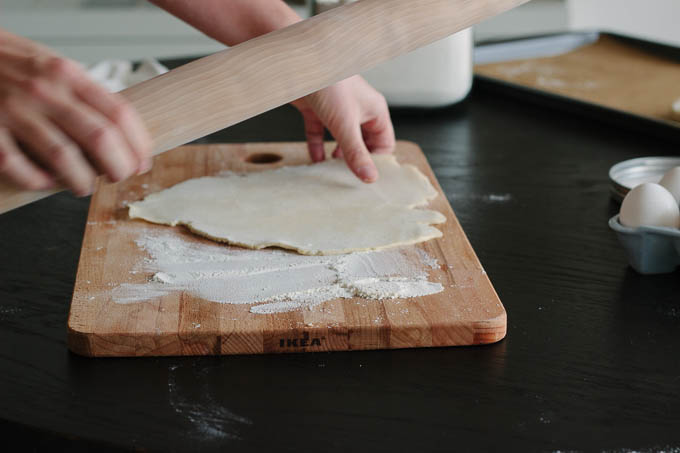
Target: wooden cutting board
x: 467, y: 312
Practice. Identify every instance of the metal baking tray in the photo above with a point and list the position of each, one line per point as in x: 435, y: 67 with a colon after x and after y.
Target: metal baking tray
x: 561, y: 43
x: 625, y: 175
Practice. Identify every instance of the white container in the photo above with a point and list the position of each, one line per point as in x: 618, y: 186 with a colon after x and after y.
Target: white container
x: 654, y: 20
x: 436, y: 75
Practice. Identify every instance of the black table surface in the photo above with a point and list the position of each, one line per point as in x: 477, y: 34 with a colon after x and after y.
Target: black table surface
x: 591, y: 361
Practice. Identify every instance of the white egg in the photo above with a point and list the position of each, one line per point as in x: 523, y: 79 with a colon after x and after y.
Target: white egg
x: 671, y: 181
x: 675, y: 110
x: 651, y: 205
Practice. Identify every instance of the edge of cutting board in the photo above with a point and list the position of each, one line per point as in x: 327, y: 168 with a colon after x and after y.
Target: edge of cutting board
x: 84, y: 340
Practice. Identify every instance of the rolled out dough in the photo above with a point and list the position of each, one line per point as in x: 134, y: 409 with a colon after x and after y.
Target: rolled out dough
x: 319, y: 209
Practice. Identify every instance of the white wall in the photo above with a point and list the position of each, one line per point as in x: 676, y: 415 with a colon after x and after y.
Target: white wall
x: 533, y: 18
x: 657, y: 20
x: 93, y: 34
x: 91, y: 30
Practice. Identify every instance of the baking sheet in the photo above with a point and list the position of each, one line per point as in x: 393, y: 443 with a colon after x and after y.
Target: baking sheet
x: 610, y: 77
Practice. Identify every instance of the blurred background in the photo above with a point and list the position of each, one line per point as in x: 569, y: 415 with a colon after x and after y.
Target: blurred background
x: 91, y: 30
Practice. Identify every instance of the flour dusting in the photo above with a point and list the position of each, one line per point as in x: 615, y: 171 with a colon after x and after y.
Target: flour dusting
x: 546, y: 76
x: 274, y: 281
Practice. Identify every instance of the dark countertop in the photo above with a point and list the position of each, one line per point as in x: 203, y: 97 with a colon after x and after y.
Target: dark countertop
x: 591, y: 361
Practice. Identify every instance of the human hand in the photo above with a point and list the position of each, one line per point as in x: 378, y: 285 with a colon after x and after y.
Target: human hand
x: 354, y: 113
x: 58, y: 127
x: 358, y: 118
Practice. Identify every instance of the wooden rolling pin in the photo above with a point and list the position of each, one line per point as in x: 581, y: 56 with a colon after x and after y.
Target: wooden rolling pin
x: 238, y: 83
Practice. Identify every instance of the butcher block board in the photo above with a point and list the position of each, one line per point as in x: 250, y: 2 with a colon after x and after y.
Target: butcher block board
x: 467, y: 312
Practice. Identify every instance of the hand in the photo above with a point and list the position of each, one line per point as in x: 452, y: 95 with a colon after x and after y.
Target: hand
x: 357, y: 117
x: 59, y: 127
x: 354, y: 113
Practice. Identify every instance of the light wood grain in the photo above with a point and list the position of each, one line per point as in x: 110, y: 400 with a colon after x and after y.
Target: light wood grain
x: 467, y: 312
x: 609, y: 72
x: 230, y: 86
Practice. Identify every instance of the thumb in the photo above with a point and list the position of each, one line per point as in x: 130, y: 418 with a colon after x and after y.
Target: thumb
x: 354, y: 150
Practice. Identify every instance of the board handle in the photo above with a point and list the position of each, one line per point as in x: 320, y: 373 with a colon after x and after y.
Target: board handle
x: 243, y: 81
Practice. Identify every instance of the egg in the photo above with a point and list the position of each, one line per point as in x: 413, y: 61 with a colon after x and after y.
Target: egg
x: 671, y: 181
x: 650, y: 204
x: 675, y: 110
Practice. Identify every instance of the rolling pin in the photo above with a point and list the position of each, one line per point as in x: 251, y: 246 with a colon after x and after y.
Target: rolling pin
x: 243, y: 81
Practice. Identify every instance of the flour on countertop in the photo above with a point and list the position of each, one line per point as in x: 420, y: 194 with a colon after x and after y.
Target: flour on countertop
x: 488, y: 198
x: 274, y: 280
x: 497, y: 198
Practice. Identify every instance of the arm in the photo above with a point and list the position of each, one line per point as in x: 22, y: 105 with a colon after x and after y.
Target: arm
x: 354, y: 113
x: 232, y: 21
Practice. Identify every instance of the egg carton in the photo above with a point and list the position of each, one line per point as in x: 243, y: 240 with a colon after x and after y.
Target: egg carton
x: 651, y: 250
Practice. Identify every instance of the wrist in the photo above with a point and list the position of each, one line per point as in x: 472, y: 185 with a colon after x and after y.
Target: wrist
x: 232, y: 21
x: 265, y: 20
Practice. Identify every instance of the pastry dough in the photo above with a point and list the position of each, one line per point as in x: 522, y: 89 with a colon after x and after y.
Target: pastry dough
x: 319, y: 209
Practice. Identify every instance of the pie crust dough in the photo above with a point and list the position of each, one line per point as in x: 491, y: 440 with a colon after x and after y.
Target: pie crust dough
x: 319, y: 209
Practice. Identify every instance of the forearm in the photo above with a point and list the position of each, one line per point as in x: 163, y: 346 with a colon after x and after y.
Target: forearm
x: 232, y: 21
x: 20, y: 44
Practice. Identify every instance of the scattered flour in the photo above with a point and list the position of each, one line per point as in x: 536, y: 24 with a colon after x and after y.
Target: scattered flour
x: 107, y: 222
x: 488, y: 198
x: 498, y: 198
x: 428, y: 260
x: 546, y: 76
x: 274, y: 280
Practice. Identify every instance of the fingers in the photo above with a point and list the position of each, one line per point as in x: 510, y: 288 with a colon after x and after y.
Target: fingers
x: 16, y: 167
x: 358, y: 118
x: 378, y: 132
x: 121, y: 114
x: 124, y: 118
x: 314, y: 131
x: 375, y: 134
x: 356, y: 155
x: 52, y: 148
x: 98, y: 137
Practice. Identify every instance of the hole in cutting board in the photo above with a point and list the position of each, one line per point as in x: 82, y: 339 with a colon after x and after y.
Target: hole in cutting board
x: 263, y: 158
